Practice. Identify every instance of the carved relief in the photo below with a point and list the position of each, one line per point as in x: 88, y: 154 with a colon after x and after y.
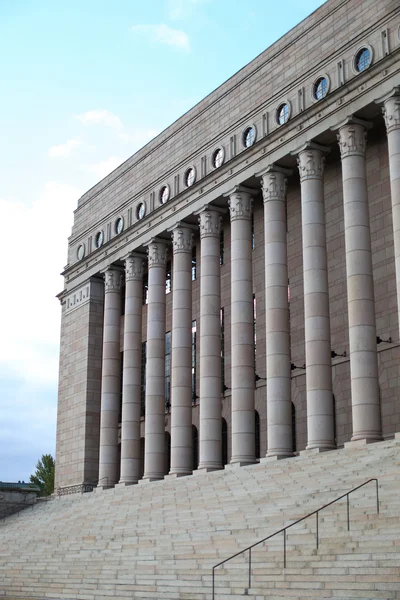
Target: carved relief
x: 133, y: 268
x: 311, y: 164
x: 112, y: 280
x: 92, y: 291
x: 391, y: 113
x: 240, y: 205
x: 182, y: 239
x: 273, y: 185
x: 210, y: 223
x: 352, y: 140
x: 157, y: 254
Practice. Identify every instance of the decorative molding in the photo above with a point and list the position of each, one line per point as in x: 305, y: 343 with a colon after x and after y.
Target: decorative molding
x: 157, y: 253
x: 210, y: 223
x: 112, y: 279
x: 391, y: 113
x: 240, y: 205
x: 81, y: 488
x: 274, y: 183
x: 133, y: 268
x: 182, y: 239
x: 91, y: 290
x: 352, y: 140
x: 311, y: 164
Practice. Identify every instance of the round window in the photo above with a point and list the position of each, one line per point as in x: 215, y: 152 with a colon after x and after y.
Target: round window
x: 164, y: 194
x: 80, y: 253
x: 190, y: 177
x: 218, y: 158
x: 283, y: 113
x: 119, y: 225
x: 363, y: 59
x: 99, y: 239
x: 320, y: 88
x: 249, y: 137
x: 140, y: 211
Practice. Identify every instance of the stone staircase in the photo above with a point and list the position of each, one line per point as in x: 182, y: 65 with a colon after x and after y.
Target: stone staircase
x: 160, y: 540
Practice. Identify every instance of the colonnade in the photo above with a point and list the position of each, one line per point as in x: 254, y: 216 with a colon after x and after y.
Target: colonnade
x: 352, y: 135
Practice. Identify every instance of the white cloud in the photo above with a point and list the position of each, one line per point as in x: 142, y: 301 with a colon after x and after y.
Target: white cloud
x: 29, y: 340
x: 164, y: 34
x: 104, y: 167
x: 100, y: 117
x: 182, y: 9
x: 63, y: 150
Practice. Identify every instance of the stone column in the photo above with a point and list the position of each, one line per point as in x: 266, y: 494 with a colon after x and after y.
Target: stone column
x: 131, y: 378
x: 181, y: 352
x: 242, y: 328
x: 110, y: 380
x: 360, y: 285
x: 155, y: 367
x: 279, y: 404
x: 320, y: 418
x: 210, y: 342
x: 391, y: 111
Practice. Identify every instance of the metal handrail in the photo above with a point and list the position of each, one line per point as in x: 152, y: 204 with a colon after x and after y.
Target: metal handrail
x: 283, y: 530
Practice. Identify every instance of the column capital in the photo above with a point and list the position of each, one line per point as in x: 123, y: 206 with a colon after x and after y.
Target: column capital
x: 274, y: 183
x: 113, y: 278
x: 311, y: 160
x: 240, y: 202
x: 391, y: 110
x: 157, y: 252
x: 133, y: 267
x: 210, y: 221
x: 182, y: 237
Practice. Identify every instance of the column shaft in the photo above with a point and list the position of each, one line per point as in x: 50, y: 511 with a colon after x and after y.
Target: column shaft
x: 131, y: 379
x: 155, y: 367
x: 242, y: 329
x: 360, y: 285
x: 181, y: 353
x: 110, y: 381
x: 279, y: 404
x: 320, y: 418
x: 210, y: 342
x: 392, y: 117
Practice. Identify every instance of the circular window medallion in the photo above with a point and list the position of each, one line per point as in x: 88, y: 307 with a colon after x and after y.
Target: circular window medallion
x: 320, y: 88
x: 363, y: 59
x: 218, y: 158
x: 80, y: 253
x: 164, y: 194
x: 249, y: 136
x: 119, y: 225
x: 99, y: 239
x: 140, y: 211
x: 283, y: 113
x: 190, y: 177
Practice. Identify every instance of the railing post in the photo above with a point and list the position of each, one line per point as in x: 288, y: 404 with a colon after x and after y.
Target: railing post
x: 348, y: 512
x: 249, y: 568
x: 284, y: 548
x: 316, y: 514
x: 377, y: 496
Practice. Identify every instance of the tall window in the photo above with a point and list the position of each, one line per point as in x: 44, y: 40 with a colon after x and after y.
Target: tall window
x: 194, y: 263
x: 145, y: 290
x: 168, y: 278
x: 294, y: 437
x: 123, y: 294
x: 255, y: 329
x: 143, y: 380
x: 194, y: 331
x: 224, y: 428
x: 221, y: 247
x: 168, y: 370
x: 195, y: 447
x: 252, y: 230
x: 222, y: 320
x: 257, y: 435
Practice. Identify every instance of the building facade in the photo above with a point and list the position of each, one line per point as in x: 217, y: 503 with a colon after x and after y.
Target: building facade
x: 232, y: 290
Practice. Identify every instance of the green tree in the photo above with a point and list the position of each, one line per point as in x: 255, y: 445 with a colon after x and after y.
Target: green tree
x: 44, y: 475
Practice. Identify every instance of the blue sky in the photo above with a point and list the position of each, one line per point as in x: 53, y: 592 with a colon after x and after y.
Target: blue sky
x: 83, y: 86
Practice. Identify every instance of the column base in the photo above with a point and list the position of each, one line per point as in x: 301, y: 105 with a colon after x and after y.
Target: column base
x: 320, y: 447
x: 100, y: 488
x: 367, y: 438
x: 126, y: 483
x: 176, y: 475
x: 240, y: 463
x: 360, y: 442
x: 151, y: 478
x: 274, y: 458
x: 200, y: 470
